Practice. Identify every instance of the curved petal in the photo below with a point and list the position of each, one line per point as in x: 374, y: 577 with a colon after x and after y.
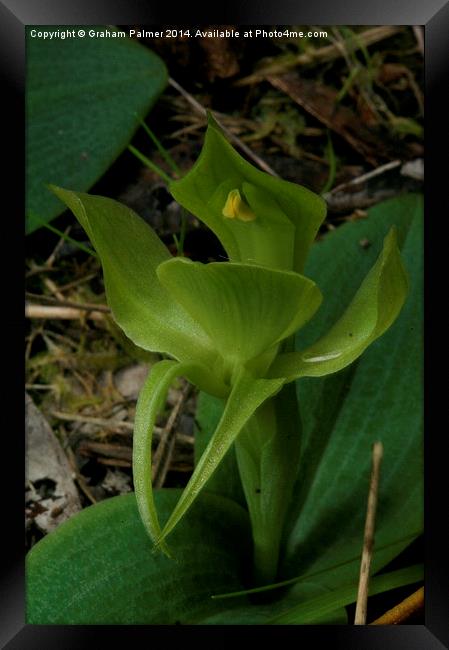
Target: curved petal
x: 219, y: 170
x: 130, y: 252
x: 244, y: 309
x: 151, y: 399
x: 373, y: 309
x: 246, y: 396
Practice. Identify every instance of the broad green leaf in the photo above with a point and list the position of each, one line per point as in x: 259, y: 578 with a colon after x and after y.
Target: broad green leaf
x: 98, y: 568
x: 307, y: 577
x: 262, y: 614
x: 246, y: 396
x: 307, y: 596
x: 287, y: 215
x: 372, y: 311
x: 84, y: 99
x: 379, y: 397
x: 244, y: 309
x: 130, y: 252
x: 314, y: 608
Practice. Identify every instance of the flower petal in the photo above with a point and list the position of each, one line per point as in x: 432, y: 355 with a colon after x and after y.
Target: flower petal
x: 247, y: 395
x: 130, y: 252
x: 245, y: 309
x: 151, y: 399
x: 287, y: 215
x: 373, y: 309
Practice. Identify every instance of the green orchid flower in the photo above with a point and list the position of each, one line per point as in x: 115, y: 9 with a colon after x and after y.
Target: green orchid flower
x: 229, y: 327
x: 259, y: 219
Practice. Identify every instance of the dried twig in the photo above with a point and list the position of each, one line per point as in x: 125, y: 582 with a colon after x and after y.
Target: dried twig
x: 343, y: 202
x: 106, y: 449
x: 114, y: 462
x: 49, y: 262
x: 365, y: 177
x: 202, y: 111
x: 115, y: 425
x: 61, y: 302
x: 119, y: 456
x: 61, y: 313
x: 368, y: 541
x: 53, y: 287
x: 403, y: 610
x: 164, y: 451
x: 75, y: 283
x: 78, y: 476
x: 87, y: 419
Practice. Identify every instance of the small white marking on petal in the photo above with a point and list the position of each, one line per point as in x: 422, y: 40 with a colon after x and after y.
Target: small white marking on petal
x: 322, y: 357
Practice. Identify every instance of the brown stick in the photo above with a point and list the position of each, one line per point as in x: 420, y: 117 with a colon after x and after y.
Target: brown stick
x: 59, y: 245
x: 202, y: 111
x: 368, y: 541
x: 403, y: 610
x: 61, y: 302
x: 60, y: 313
x: 53, y: 287
x: 365, y: 177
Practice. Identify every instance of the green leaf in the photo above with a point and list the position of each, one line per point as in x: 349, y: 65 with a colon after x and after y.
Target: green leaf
x: 267, y: 453
x: 246, y: 396
x: 307, y: 577
x: 98, y: 568
x: 245, y: 310
x: 379, y: 397
x: 130, y: 252
x: 262, y: 614
x: 307, y: 596
x: 225, y: 481
x: 311, y: 610
x: 372, y: 311
x: 287, y: 215
x: 84, y: 99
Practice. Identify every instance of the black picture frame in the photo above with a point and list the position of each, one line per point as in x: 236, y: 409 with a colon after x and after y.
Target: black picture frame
x: 14, y: 16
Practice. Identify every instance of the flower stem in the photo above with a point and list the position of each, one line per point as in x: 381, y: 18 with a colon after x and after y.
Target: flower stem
x: 268, y: 456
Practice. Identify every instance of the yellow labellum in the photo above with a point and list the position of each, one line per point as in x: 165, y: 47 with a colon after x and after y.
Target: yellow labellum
x: 236, y: 208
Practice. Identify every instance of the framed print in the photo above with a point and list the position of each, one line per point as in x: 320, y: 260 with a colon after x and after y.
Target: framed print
x: 226, y: 388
